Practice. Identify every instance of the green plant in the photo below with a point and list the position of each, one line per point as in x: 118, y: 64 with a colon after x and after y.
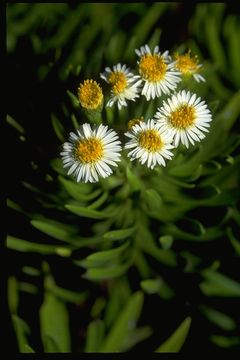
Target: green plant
x: 138, y: 240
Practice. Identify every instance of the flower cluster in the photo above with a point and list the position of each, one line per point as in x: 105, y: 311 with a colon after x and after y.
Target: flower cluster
x: 182, y: 118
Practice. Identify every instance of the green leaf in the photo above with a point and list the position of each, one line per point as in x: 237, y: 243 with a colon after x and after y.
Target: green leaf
x: 109, y: 114
x: 157, y: 286
x: 100, y: 201
x: 27, y: 246
x: 68, y: 295
x: 166, y: 241
x: 75, y: 122
x: 141, y: 263
x: 192, y: 261
x: 31, y: 271
x: 215, y: 47
x: 201, y: 233
x: 12, y: 205
x: 124, y: 325
x: 29, y: 288
x: 15, y: 124
x: 87, y: 212
x: 230, y: 113
x: 57, y: 166
x: 101, y: 257
x: 50, y: 345
x: 146, y: 242
x: 13, y: 297
x: 134, y: 181
x: 22, y: 331
x: 74, y: 99
x: 63, y: 251
x: 95, y: 334
x: 119, y: 234
x: 236, y: 216
x: 137, y: 336
x: 225, y: 342
x: 58, y: 128
x: 175, y: 342
x: 155, y: 38
x: 231, y: 28
x: 98, y: 274
x: 28, y: 349
x: 151, y: 286
x: 80, y: 192
x: 224, y: 321
x: 118, y: 295
x: 128, y: 55
x: 55, y: 229
x: 215, y: 82
x: 144, y: 26
x: 78, y: 70
x: 217, y: 284
x: 115, y: 46
x: 235, y: 243
x: 98, y: 307
x: 54, y: 323
x: 213, y: 106
x: 152, y: 199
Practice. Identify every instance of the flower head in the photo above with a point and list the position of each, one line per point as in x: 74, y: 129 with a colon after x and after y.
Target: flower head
x: 90, y: 95
x: 157, y: 71
x: 134, y: 121
x: 89, y: 153
x: 149, y: 144
x: 124, y: 85
x: 188, y: 65
x: 185, y: 117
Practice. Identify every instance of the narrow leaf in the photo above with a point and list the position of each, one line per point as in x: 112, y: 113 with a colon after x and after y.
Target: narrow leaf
x: 217, y: 284
x: 15, y: 124
x: 55, y: 322
x: 137, y: 336
x: 119, y: 234
x: 235, y: 243
x: 58, y: 127
x: 27, y: 246
x: 80, y: 192
x: 55, y: 229
x: 88, y: 213
x: 224, y: 321
x: 124, y: 324
x: 74, y: 99
x: 22, y: 331
x: 98, y: 274
x: 108, y: 255
x: 95, y: 333
x: 175, y: 342
x: 133, y: 180
x: 224, y: 341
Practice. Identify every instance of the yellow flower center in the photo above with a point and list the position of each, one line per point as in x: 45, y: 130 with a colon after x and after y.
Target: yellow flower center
x: 186, y: 63
x: 182, y: 117
x: 150, y: 140
x: 90, y: 95
x: 118, y: 81
x: 152, y: 67
x: 89, y: 150
x: 133, y: 122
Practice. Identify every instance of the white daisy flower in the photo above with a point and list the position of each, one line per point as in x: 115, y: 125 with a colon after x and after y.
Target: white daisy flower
x: 149, y: 144
x: 124, y: 85
x: 89, y: 153
x: 185, y: 117
x: 157, y: 71
x: 188, y: 65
